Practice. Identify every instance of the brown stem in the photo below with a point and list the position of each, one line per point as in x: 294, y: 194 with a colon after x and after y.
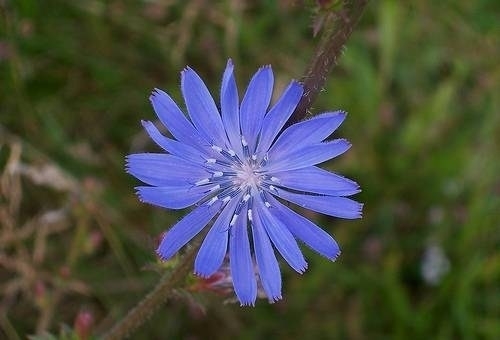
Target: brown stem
x: 147, y: 306
x: 337, y: 30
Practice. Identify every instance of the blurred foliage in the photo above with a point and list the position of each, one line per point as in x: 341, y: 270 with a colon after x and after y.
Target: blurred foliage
x: 421, y: 80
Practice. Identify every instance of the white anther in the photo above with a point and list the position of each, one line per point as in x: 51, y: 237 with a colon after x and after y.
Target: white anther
x: 215, y: 187
x: 216, y: 148
x: 202, y: 181
x: 226, y: 199
x: 211, y: 160
x: 272, y: 188
x: 275, y: 179
x: 254, y: 157
x: 249, y: 214
x: 243, y: 141
x: 246, y: 197
x: 218, y: 174
x: 213, y: 200
x: 233, y: 220
x: 267, y: 204
x: 231, y: 152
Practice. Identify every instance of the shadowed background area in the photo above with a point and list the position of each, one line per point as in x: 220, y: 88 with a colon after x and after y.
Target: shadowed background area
x: 421, y: 83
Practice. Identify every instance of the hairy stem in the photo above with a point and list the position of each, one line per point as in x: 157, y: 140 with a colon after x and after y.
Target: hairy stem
x: 148, y: 305
x: 337, y: 30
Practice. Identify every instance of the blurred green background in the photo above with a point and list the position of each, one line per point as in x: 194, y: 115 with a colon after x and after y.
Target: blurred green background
x: 420, y: 80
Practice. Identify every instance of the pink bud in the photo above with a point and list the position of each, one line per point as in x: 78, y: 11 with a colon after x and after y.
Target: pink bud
x: 83, y: 324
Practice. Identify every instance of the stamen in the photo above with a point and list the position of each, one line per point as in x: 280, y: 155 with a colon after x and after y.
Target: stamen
x: 239, y: 207
x: 202, y: 181
x: 233, y: 220
x: 212, y: 200
x: 217, y: 148
x: 230, y: 192
x: 275, y: 179
x: 263, y: 195
x: 249, y: 213
x: 219, y: 174
x: 216, y: 161
x: 231, y: 155
x: 246, y: 197
x: 264, y: 160
x: 222, y: 163
x: 246, y: 151
x: 264, y: 198
x: 229, y: 173
x: 250, y: 201
x: 226, y: 199
x: 214, y: 188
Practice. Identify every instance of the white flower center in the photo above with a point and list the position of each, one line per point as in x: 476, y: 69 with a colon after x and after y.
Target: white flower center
x: 247, y: 176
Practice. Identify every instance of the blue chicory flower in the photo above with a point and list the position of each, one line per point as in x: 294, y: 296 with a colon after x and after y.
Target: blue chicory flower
x: 236, y: 165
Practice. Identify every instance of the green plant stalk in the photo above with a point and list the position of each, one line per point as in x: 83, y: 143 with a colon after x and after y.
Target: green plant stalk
x: 154, y: 299
x: 338, y: 28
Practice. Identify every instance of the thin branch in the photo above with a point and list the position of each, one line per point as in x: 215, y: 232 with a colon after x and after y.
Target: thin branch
x: 337, y: 30
x: 147, y: 306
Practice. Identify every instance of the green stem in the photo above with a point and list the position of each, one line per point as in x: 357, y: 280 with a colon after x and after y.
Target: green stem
x: 147, y: 306
x: 337, y: 30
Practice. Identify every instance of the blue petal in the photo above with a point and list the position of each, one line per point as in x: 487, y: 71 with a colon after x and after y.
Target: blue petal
x: 201, y: 108
x: 187, y: 228
x: 311, y: 131
x: 281, y: 237
x: 329, y: 205
x: 276, y: 118
x: 316, y: 180
x: 240, y: 258
x: 306, y: 231
x: 214, y: 247
x: 254, y: 104
x: 174, y: 120
x: 172, y: 197
x: 230, y: 108
x: 307, y: 156
x: 269, y: 270
x: 174, y: 147
x: 163, y: 170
